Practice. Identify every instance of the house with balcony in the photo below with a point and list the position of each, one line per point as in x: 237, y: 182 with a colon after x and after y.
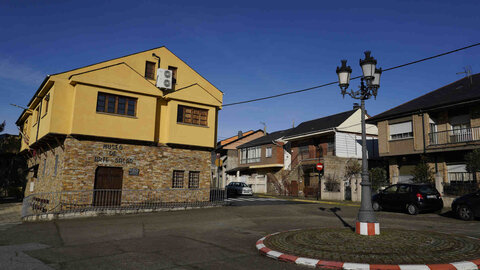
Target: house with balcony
x: 260, y: 161
x: 441, y: 126
x: 225, y: 159
x: 332, y: 140
x: 111, y: 126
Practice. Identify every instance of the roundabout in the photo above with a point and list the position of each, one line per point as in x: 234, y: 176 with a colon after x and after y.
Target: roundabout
x: 393, y: 249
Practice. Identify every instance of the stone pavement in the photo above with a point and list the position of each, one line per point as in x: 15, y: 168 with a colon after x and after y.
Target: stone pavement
x: 10, y: 213
x: 214, y: 238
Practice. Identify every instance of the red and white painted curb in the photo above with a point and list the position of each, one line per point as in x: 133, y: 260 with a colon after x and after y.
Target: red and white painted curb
x: 464, y: 265
x: 365, y: 228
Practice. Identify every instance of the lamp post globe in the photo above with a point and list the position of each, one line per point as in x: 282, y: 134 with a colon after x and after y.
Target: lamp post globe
x: 368, y: 67
x: 344, y: 73
x: 371, y: 75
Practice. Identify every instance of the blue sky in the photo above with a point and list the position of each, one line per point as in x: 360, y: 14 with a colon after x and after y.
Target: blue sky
x: 248, y: 49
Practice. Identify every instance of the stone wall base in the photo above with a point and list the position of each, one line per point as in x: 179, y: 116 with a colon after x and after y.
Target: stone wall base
x: 106, y: 212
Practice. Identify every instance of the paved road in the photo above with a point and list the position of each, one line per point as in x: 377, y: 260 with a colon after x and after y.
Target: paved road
x: 213, y: 238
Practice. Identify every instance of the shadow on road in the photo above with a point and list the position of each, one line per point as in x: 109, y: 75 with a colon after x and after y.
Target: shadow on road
x: 334, y: 210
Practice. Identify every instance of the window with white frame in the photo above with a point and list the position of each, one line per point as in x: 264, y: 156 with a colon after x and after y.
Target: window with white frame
x: 250, y: 155
x: 268, y: 152
x: 402, y: 130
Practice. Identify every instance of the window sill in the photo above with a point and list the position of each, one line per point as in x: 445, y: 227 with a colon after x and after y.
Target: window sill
x: 193, y: 125
x: 121, y: 115
x: 401, y: 139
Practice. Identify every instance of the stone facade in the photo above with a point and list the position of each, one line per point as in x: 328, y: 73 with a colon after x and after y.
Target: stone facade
x: 78, y: 160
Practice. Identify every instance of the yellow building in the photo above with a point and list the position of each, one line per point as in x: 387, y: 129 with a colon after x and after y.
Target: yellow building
x: 107, y: 126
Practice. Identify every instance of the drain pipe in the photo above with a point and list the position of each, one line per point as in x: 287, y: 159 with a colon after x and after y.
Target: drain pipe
x: 158, y: 57
x: 423, y: 131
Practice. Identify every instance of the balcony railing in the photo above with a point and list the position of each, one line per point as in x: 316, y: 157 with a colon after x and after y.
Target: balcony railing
x: 250, y: 160
x: 460, y: 177
x: 455, y: 136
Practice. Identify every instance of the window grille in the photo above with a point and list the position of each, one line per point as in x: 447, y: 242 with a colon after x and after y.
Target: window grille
x: 177, y: 181
x: 193, y: 179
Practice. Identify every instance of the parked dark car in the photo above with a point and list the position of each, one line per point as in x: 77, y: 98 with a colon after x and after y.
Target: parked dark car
x: 412, y: 198
x: 467, y: 207
x: 238, y: 188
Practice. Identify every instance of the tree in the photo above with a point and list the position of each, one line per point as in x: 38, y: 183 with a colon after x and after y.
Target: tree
x: 352, y: 168
x: 13, y: 166
x: 472, y: 160
x: 423, y: 173
x: 378, y: 177
x: 2, y: 126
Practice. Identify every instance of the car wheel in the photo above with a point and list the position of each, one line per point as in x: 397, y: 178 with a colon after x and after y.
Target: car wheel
x: 465, y: 213
x: 412, y: 209
x: 376, y: 206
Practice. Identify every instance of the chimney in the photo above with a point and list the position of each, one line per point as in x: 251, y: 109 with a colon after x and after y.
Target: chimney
x: 240, y: 134
x: 356, y: 106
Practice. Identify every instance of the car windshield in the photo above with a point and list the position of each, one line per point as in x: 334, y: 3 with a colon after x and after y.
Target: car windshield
x: 427, y: 189
x: 243, y: 184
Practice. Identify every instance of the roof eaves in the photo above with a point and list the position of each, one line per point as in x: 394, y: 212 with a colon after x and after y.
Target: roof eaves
x: 108, y: 60
x: 426, y: 109
x: 34, y: 96
x: 374, y: 119
x: 307, y: 134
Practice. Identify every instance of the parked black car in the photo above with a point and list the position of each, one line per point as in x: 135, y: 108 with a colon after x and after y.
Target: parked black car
x: 468, y: 206
x: 410, y: 197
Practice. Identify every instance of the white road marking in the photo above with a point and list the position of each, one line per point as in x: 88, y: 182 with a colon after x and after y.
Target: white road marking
x: 253, y: 200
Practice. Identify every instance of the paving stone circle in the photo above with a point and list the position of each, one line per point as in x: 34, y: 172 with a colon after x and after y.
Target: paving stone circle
x: 392, y: 246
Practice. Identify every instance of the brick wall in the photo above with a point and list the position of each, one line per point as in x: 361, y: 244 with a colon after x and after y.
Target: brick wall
x: 79, y: 159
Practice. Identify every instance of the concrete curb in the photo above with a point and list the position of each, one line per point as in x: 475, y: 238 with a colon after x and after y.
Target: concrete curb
x: 105, y: 212
x: 316, y: 263
x: 309, y: 201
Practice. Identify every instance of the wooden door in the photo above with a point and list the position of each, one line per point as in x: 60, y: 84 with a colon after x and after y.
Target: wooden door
x: 108, y: 186
x: 294, y: 188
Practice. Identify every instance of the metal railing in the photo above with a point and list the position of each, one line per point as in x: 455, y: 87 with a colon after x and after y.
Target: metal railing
x: 103, y: 200
x: 460, y: 177
x: 250, y: 160
x: 460, y: 188
x: 454, y: 136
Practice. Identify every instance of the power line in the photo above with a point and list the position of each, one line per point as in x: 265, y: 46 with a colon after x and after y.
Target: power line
x: 354, y: 78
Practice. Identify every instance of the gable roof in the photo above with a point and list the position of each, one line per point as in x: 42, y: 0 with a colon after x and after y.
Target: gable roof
x: 320, y: 124
x: 267, y: 139
x: 462, y: 90
x: 235, y: 138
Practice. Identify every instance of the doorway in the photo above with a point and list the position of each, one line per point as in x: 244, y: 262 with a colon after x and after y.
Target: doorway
x: 108, y: 186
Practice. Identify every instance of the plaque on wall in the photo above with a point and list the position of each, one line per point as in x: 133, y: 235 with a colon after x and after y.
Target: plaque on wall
x: 133, y: 171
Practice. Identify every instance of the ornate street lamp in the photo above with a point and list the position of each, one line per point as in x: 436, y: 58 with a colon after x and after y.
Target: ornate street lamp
x: 366, y: 222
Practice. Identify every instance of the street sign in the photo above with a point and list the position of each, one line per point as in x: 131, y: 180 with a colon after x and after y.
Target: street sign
x: 319, y: 166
